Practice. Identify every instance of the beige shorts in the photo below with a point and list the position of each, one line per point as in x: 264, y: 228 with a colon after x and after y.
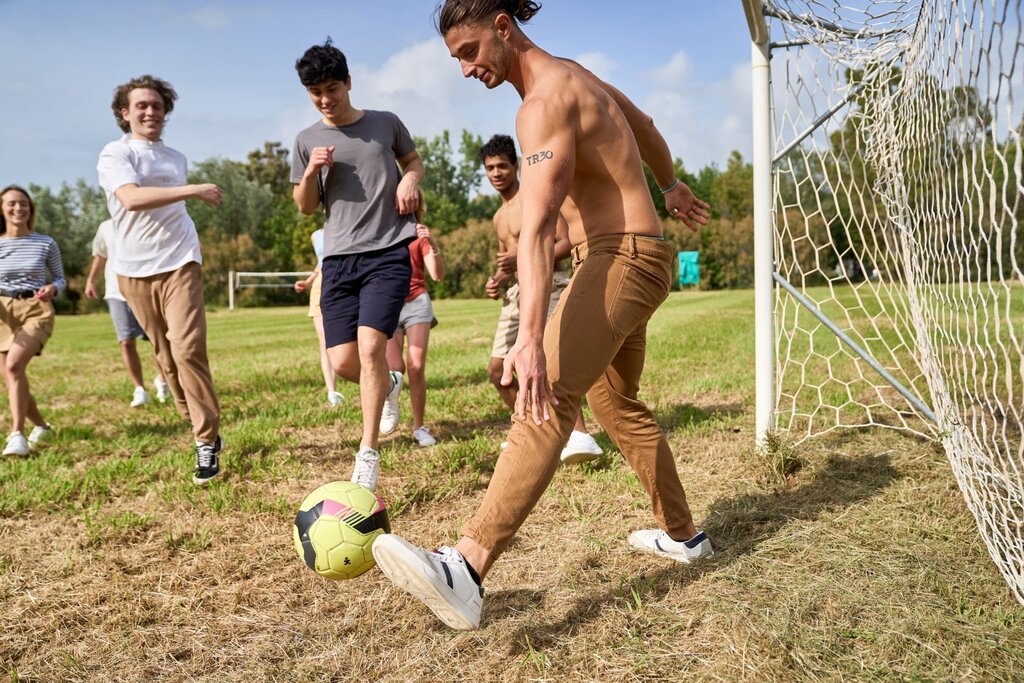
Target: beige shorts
x: 314, y: 296
x: 508, y: 321
x: 33, y: 317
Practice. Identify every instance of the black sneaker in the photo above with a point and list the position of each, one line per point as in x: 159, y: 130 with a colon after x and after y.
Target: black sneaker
x: 207, y: 461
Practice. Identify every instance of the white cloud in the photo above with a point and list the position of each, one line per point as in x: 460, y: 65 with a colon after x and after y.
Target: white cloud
x: 598, y: 64
x: 211, y: 17
x: 702, y: 120
x: 674, y: 73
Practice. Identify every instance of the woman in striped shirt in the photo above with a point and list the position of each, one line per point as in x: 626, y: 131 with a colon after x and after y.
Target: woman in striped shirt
x: 26, y: 314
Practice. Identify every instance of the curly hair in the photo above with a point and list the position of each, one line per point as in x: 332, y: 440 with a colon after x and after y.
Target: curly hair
x: 452, y: 13
x: 122, y: 93
x: 321, y: 63
x: 500, y: 145
x: 31, y: 208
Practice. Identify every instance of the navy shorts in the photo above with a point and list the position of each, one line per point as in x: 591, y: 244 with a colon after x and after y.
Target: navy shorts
x: 364, y: 290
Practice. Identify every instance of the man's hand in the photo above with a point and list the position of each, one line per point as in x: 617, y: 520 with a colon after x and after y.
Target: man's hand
x: 407, y: 198
x: 46, y: 292
x: 209, y: 193
x: 319, y: 157
x: 527, y: 360
x: 492, y: 288
x: 90, y: 290
x: 301, y: 286
x: 507, y: 262
x: 680, y: 203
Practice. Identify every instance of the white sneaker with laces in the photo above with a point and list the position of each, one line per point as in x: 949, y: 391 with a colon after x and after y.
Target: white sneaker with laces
x: 391, y: 414
x: 40, y: 435
x: 163, y: 391
x: 581, y: 447
x: 367, y: 468
x: 334, y: 398
x: 440, y: 579
x: 17, y: 444
x: 140, y: 397
x: 424, y: 437
x: 660, y: 543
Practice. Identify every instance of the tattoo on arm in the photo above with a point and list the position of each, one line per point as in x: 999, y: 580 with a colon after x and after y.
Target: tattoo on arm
x: 539, y: 157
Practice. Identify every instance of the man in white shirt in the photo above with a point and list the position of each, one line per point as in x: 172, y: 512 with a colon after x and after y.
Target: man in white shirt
x: 157, y: 257
x: 126, y: 326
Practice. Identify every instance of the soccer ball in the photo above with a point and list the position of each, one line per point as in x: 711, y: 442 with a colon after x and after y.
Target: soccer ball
x: 335, y: 527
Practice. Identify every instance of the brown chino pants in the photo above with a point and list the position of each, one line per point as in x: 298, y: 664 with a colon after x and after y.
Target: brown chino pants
x: 595, y: 344
x: 170, y: 308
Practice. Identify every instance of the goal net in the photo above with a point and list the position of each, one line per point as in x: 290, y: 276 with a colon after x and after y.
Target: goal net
x: 897, y: 205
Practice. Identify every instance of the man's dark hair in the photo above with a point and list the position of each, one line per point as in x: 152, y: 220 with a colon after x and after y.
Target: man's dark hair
x: 322, y: 63
x: 452, y: 13
x: 500, y: 146
x: 123, y: 92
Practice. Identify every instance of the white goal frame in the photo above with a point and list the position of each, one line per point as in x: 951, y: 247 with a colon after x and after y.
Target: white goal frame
x: 235, y: 276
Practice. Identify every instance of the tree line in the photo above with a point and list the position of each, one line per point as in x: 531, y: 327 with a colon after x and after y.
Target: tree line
x: 258, y: 228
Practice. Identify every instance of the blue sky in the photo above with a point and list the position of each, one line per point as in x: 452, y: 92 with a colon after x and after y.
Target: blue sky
x: 684, y: 62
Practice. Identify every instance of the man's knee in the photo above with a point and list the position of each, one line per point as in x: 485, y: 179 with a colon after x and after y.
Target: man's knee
x: 495, y: 371
x: 128, y: 344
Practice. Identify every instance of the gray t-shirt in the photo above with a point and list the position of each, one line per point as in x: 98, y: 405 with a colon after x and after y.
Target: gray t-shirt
x: 358, y: 191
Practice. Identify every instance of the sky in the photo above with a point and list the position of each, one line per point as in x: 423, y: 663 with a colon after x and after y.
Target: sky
x: 684, y: 62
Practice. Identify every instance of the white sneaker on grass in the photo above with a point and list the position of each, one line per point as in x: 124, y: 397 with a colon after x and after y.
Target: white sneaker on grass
x: 391, y: 414
x: 40, y: 435
x: 424, y: 437
x: 334, y: 398
x: 163, y: 391
x: 140, y: 397
x: 17, y: 444
x: 660, y: 543
x: 367, y: 468
x: 581, y: 447
x: 440, y: 579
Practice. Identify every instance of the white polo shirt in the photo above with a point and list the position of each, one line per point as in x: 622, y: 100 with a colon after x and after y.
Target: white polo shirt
x: 150, y: 241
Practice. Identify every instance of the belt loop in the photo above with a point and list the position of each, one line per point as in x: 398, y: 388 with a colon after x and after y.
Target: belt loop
x: 632, y: 245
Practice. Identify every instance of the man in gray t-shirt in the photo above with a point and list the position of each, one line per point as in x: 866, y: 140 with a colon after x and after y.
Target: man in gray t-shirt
x: 348, y: 163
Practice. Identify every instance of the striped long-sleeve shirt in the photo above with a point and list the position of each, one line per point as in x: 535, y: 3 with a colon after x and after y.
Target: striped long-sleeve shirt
x: 24, y: 262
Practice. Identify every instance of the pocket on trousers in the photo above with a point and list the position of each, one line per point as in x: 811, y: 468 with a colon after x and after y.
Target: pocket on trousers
x: 636, y: 298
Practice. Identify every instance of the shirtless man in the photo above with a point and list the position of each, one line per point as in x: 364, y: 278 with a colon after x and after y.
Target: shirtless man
x: 502, y: 166
x: 583, y: 143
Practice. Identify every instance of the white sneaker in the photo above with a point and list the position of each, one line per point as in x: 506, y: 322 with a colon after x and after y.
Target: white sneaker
x: 163, y: 391
x: 40, y: 435
x: 140, y: 397
x: 334, y: 398
x: 391, y: 413
x: 660, y: 543
x: 17, y: 444
x: 581, y: 447
x: 441, y: 579
x: 367, y: 468
x: 424, y: 437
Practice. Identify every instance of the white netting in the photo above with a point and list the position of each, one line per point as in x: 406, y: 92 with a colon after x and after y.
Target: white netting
x: 899, y: 217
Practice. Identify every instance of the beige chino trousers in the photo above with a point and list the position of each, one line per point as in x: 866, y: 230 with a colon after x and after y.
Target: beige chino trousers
x: 170, y: 308
x: 595, y: 344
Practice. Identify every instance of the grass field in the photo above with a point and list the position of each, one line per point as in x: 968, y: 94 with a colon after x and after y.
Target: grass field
x: 855, y: 559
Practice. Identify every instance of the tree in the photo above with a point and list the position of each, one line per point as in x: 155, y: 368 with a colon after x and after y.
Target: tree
x: 450, y: 179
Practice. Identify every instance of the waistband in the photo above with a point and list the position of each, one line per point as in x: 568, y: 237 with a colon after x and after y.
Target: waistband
x: 625, y: 243
x: 17, y: 293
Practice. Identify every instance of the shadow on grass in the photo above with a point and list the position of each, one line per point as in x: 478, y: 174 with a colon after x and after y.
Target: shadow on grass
x: 687, y: 416
x: 736, y: 525
x: 469, y: 378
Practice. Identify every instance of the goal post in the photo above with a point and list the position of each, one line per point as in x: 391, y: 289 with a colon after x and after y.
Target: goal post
x: 889, y: 247
x: 240, y: 279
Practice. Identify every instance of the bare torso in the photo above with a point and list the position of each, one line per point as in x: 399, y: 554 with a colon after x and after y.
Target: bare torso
x: 508, y: 221
x: 609, y: 192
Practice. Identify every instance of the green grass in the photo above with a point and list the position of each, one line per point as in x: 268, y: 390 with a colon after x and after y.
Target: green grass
x: 851, y: 556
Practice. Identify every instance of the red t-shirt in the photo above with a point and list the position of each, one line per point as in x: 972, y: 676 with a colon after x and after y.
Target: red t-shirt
x: 418, y: 249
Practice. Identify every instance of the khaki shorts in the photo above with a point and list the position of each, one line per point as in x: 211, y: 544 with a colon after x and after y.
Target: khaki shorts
x: 508, y: 321
x: 314, y: 297
x: 33, y: 317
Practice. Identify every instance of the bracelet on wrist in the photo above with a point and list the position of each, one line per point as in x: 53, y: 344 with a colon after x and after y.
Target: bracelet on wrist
x: 672, y: 186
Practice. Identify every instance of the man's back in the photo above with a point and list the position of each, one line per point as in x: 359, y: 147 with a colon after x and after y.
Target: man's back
x: 609, y: 193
